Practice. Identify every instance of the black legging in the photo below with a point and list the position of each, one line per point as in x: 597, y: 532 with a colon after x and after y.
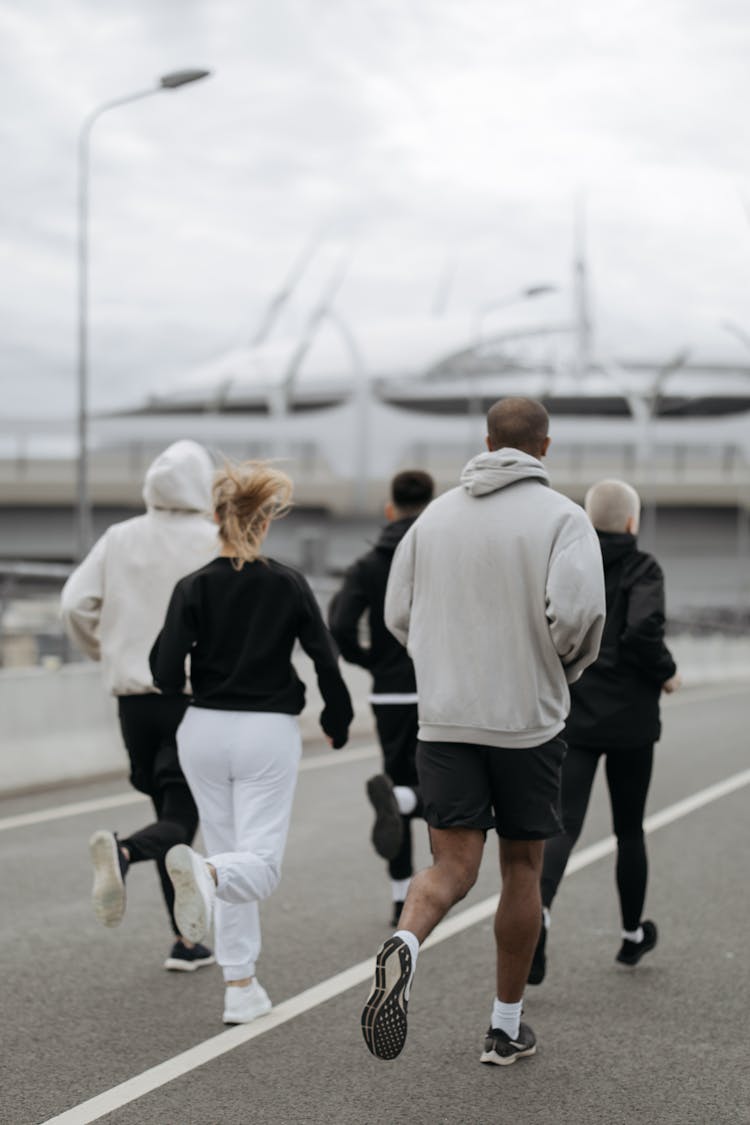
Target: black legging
x: 628, y: 779
x: 397, y: 725
x: 149, y: 725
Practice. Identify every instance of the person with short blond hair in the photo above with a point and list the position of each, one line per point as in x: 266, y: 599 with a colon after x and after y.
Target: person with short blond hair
x: 614, y: 714
x: 237, y: 620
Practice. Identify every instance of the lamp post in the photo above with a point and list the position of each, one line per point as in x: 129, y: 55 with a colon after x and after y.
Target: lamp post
x: 474, y: 403
x: 526, y: 294
x: 83, y: 505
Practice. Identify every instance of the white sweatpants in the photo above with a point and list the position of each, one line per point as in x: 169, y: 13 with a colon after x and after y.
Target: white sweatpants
x: 241, y: 767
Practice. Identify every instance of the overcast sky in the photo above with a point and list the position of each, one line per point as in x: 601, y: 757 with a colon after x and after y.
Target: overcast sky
x: 418, y: 135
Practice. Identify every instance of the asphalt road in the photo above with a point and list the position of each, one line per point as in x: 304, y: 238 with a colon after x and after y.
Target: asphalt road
x: 85, y: 1009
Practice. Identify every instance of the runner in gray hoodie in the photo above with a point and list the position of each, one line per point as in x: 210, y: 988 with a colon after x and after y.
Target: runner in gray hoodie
x: 497, y: 591
x: 113, y: 607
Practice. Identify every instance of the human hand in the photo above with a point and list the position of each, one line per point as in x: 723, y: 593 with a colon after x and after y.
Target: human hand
x: 674, y: 683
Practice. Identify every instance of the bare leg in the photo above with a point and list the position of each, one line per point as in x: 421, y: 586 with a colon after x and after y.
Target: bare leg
x: 456, y: 855
x: 519, y: 915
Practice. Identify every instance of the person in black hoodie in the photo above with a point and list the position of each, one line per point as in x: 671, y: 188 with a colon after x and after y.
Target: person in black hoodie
x: 237, y: 620
x: 393, y: 794
x: 614, y: 713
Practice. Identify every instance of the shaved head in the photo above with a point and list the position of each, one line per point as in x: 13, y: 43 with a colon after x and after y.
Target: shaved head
x: 611, y: 503
x: 518, y: 423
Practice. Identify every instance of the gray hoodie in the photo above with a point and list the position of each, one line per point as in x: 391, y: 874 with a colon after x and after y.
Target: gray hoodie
x: 114, y: 604
x: 497, y: 591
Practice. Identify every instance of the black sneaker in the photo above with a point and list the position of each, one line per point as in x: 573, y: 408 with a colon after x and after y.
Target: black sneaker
x: 184, y: 960
x: 632, y: 951
x: 388, y: 829
x: 539, y: 960
x: 384, y: 1014
x: 501, y: 1050
x: 397, y: 908
x: 110, y: 868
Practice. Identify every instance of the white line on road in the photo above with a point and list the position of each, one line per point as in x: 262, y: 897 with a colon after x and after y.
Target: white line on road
x: 98, y: 804
x: 111, y: 1100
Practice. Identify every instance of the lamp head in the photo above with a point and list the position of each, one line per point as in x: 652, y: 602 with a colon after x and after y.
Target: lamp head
x: 181, y: 78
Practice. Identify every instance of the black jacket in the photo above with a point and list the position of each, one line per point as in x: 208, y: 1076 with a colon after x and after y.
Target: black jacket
x: 239, y: 628
x: 616, y: 701
x: 363, y: 591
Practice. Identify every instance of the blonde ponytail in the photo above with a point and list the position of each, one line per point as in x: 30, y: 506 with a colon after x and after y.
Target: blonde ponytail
x: 246, y: 497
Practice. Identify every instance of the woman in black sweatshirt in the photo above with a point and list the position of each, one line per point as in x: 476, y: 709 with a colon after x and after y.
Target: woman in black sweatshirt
x: 237, y: 620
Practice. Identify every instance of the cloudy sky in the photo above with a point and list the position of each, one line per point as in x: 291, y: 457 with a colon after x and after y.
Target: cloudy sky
x: 417, y: 138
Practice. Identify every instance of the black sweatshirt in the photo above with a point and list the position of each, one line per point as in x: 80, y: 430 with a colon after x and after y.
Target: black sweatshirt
x: 616, y: 701
x: 239, y: 628
x: 364, y: 591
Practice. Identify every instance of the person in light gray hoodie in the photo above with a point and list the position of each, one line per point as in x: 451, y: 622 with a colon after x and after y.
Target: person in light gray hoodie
x: 113, y: 606
x: 497, y: 591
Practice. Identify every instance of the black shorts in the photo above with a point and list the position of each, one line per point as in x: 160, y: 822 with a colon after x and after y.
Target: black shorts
x: 516, y: 792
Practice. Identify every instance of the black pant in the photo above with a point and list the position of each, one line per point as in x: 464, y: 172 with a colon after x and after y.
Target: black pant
x: 628, y: 779
x: 397, y: 725
x: 149, y: 725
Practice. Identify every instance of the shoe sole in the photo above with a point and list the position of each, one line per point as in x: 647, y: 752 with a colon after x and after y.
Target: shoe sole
x: 384, y: 1014
x: 388, y: 829
x: 190, y: 912
x: 108, y: 892
x: 228, y: 1018
x: 494, y: 1059
x: 174, y: 964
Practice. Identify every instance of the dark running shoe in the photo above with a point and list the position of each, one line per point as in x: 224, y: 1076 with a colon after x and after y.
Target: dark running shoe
x: 184, y: 960
x: 388, y: 829
x: 501, y: 1050
x: 384, y: 1014
x: 632, y: 951
x: 539, y: 961
x: 397, y: 908
x: 110, y: 869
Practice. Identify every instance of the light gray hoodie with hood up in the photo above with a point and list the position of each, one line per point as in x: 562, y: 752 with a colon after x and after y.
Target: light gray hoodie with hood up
x: 497, y: 591
x: 114, y: 603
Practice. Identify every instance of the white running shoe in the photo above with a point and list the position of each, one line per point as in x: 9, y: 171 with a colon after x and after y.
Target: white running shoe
x: 108, y: 891
x: 194, y: 891
x: 243, y: 1005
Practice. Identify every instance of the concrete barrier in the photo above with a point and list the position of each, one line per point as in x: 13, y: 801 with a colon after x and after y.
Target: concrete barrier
x: 59, y: 726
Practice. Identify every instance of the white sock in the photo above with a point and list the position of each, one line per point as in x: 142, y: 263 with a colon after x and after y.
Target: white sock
x: 507, y: 1017
x: 406, y: 799
x: 400, y: 889
x: 412, y: 941
x: 633, y: 935
x: 546, y: 919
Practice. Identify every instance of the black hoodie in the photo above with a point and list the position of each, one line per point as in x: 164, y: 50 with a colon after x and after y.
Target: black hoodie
x: 616, y: 701
x: 364, y: 590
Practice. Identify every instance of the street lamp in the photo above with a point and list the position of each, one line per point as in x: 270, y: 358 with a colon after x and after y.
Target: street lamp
x: 83, y: 506
x: 526, y: 294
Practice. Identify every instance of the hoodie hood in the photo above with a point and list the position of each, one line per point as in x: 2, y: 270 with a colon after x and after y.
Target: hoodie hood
x: 180, y: 479
x: 393, y: 533
x: 616, y: 545
x: 489, y: 472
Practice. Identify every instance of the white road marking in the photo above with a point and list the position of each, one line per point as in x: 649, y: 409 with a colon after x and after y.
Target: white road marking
x: 157, y: 1076
x: 314, y: 762
x: 98, y: 804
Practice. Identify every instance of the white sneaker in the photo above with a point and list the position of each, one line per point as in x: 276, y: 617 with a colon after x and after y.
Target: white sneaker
x: 108, y: 891
x: 243, y: 1005
x: 194, y: 891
